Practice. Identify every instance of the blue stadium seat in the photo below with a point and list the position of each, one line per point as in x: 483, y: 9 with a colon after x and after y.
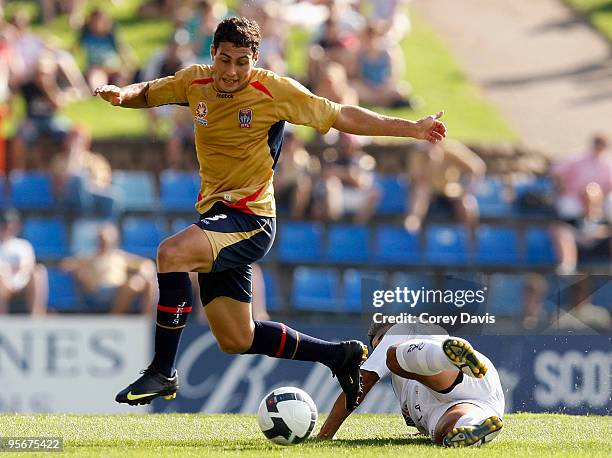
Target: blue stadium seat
x: 505, y: 294
x: 543, y: 186
x: 497, y: 245
x: 30, y: 190
x: 394, y: 192
x: 178, y: 190
x: 489, y: 192
x: 300, y: 242
x: 273, y: 298
x: 48, y: 236
x: 135, y: 189
x: 413, y: 281
x: 394, y: 244
x: 446, y: 245
x: 141, y: 236
x: 179, y: 224
x: 63, y: 294
x: 347, y: 243
x: 84, y: 239
x: 460, y: 284
x: 315, y: 289
x: 539, y: 247
x: 358, y: 288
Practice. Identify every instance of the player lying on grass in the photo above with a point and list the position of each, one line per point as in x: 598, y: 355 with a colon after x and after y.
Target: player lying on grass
x: 239, y: 113
x: 445, y: 388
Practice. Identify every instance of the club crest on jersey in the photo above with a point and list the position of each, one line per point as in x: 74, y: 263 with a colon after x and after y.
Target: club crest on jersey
x: 200, y: 113
x: 245, y: 116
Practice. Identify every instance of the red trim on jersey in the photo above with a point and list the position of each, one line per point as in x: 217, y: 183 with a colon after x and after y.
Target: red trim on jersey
x: 163, y: 308
x: 202, y: 81
x: 242, y: 203
x: 260, y: 87
x: 281, y: 346
x: 199, y: 196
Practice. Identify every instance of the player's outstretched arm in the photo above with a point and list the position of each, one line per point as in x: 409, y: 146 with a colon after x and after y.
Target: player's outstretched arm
x: 360, y: 121
x: 132, y: 96
x: 339, y: 413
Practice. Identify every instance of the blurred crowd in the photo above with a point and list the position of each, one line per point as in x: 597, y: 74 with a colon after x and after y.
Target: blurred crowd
x: 353, y: 56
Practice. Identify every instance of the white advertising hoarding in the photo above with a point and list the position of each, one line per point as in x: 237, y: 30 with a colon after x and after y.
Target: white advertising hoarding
x: 70, y: 364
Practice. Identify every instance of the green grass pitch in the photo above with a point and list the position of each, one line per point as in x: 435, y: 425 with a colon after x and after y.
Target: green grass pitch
x: 166, y: 435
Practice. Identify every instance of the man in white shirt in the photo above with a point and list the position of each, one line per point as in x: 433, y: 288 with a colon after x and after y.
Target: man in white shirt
x: 19, y: 273
x: 446, y: 389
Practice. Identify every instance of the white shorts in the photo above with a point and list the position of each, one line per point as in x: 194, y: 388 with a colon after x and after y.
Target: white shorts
x: 426, y: 406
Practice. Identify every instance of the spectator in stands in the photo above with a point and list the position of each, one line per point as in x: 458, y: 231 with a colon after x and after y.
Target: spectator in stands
x: 74, y: 9
x: 576, y: 172
x: 348, y: 183
x: 5, y: 92
x: 391, y: 15
x: 43, y: 98
x: 273, y: 40
x: 440, y: 175
x: 533, y: 314
x: 587, y: 239
x: 201, y: 27
x: 376, y: 71
x: 82, y: 179
x: 111, y: 279
x: 584, y: 204
x: 333, y: 45
x: 158, y: 8
x: 108, y: 60
x: 28, y: 49
x: 20, y: 275
x: 334, y: 85
x: 174, y: 57
x: 293, y: 178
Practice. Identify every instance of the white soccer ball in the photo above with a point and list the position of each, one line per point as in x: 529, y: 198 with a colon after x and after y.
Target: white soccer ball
x: 287, y: 415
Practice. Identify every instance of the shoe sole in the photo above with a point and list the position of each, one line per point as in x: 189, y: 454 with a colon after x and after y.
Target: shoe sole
x: 461, y: 354
x: 466, y: 436
x: 362, y: 359
x: 168, y: 395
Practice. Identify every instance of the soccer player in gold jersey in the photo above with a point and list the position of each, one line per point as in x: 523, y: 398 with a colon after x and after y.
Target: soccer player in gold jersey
x: 239, y: 112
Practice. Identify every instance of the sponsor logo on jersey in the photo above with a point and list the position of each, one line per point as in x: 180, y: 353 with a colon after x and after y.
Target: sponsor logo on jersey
x: 224, y: 95
x: 208, y: 219
x: 245, y: 116
x: 200, y: 113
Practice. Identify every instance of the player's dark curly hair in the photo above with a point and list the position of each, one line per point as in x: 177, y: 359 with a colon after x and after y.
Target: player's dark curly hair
x: 239, y: 31
x: 374, y: 329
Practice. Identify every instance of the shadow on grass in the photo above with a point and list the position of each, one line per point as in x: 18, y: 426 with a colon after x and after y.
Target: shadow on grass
x: 379, y: 442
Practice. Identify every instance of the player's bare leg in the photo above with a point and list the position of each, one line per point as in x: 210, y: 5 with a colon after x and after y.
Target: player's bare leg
x: 186, y: 251
x: 232, y: 324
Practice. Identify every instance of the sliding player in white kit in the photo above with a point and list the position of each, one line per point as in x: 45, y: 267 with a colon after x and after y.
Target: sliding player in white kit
x: 445, y: 388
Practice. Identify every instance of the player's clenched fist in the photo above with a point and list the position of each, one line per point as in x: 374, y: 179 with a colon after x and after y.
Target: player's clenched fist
x: 110, y: 93
x: 431, y: 128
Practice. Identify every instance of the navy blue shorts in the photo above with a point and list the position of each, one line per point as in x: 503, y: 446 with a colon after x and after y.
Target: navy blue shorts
x: 237, y: 239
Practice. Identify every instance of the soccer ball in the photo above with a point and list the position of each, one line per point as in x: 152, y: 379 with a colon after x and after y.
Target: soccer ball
x: 287, y: 416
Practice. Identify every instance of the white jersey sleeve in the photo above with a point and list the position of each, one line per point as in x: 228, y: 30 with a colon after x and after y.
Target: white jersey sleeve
x: 377, y: 361
x: 399, y: 333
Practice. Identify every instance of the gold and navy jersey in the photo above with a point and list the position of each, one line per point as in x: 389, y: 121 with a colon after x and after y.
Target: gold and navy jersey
x: 238, y: 135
